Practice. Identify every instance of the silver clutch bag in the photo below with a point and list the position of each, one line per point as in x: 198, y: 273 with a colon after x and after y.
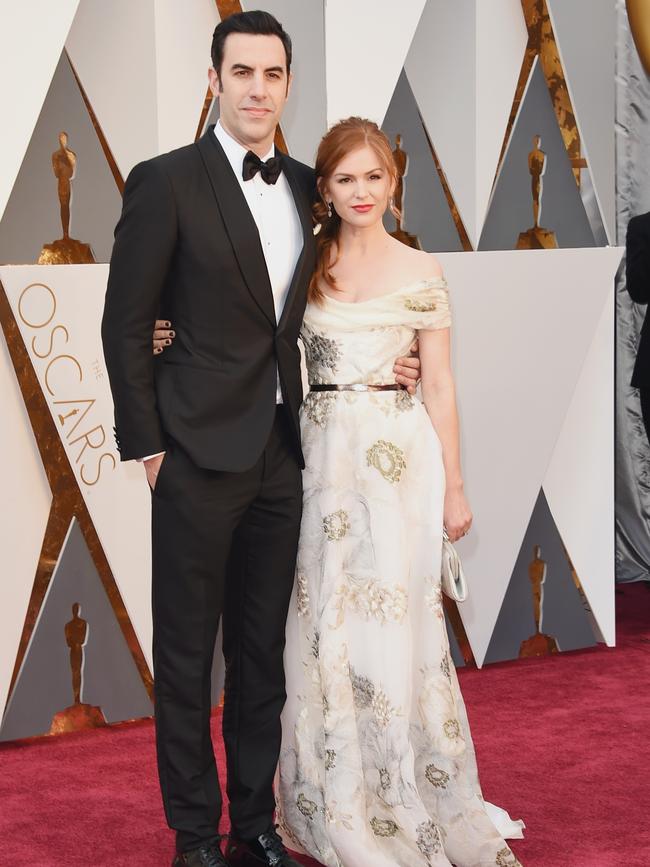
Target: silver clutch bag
x: 452, y: 577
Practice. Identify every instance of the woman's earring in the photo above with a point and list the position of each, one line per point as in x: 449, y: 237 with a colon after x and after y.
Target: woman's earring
x: 329, y: 210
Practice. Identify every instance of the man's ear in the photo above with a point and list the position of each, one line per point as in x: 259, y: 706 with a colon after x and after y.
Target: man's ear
x: 289, y: 83
x: 214, y: 81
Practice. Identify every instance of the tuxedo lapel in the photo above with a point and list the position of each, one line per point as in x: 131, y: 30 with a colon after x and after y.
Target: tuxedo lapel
x: 303, y: 206
x: 238, y: 220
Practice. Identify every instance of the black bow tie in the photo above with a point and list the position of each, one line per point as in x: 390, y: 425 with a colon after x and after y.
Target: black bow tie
x: 270, y: 170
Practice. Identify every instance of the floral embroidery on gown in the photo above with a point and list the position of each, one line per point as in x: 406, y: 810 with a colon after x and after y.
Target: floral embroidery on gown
x: 377, y: 764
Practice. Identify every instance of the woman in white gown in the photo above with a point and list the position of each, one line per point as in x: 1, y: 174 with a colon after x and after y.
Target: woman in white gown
x: 377, y: 765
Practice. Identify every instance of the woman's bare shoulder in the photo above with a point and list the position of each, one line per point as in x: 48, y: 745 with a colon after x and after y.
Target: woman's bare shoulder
x: 418, y: 264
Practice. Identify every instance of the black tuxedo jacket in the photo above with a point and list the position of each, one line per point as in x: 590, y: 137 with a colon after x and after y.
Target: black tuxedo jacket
x: 187, y: 248
x: 638, y: 285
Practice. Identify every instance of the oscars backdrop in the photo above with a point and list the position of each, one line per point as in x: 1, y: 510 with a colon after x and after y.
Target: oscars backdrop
x: 501, y: 116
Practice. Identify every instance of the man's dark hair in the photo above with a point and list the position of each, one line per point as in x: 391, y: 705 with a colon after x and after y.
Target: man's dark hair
x: 255, y: 23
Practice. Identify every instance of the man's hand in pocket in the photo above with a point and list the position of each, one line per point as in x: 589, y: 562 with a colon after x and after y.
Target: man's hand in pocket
x: 152, y: 468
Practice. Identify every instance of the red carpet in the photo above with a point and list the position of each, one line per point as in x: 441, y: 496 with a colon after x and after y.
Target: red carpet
x: 562, y: 742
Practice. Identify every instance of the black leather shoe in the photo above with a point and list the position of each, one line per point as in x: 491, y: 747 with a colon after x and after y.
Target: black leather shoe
x: 267, y: 850
x: 204, y: 856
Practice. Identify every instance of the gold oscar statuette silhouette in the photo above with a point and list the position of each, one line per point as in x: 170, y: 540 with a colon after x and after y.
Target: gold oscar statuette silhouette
x: 64, y: 418
x: 538, y: 644
x: 66, y: 250
x: 638, y: 13
x: 401, y: 162
x: 537, y: 238
x: 78, y: 715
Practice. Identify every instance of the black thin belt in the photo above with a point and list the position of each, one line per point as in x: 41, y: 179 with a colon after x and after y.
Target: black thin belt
x: 357, y: 386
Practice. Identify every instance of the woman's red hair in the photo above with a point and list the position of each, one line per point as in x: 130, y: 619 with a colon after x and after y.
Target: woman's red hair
x: 342, y: 139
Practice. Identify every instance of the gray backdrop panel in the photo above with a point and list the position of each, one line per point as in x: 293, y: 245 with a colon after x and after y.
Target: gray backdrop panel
x: 425, y: 209
x: 110, y: 678
x: 32, y: 218
x: 564, y: 616
x: 511, y: 210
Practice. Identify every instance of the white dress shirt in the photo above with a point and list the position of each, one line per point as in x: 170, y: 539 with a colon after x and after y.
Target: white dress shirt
x: 274, y: 211
x: 276, y: 218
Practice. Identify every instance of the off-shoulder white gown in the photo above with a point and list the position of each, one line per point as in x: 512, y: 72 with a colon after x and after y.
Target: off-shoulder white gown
x: 377, y: 766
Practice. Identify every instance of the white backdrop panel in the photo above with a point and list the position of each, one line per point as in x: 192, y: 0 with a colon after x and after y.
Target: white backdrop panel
x: 27, y: 500
x: 33, y: 36
x: 114, y: 55
x: 445, y: 91
x: 501, y: 39
x: 148, y: 88
x: 58, y: 310
x: 366, y: 45
x: 523, y: 324
x: 579, y: 483
x: 466, y: 103
x: 182, y: 61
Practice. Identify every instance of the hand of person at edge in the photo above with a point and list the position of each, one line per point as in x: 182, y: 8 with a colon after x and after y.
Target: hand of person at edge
x: 162, y: 335
x: 407, y: 369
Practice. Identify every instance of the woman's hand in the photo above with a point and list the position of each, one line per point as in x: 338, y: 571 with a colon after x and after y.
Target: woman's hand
x: 457, y: 516
x: 162, y: 335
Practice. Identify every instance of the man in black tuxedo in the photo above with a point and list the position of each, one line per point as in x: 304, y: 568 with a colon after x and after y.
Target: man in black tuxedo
x: 638, y: 285
x: 218, y: 236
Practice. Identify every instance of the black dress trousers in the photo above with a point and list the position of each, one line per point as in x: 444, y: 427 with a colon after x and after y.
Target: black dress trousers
x: 223, y: 543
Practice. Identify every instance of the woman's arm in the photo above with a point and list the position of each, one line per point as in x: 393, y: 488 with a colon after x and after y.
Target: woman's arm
x: 439, y: 396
